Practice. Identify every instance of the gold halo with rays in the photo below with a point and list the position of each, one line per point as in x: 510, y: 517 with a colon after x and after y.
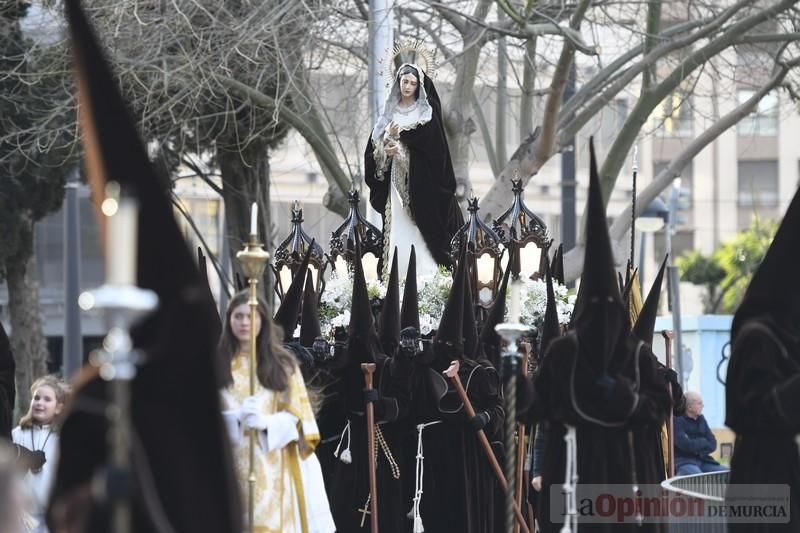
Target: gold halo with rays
x: 425, y: 58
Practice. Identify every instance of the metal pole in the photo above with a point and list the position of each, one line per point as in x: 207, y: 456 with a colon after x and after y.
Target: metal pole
x: 568, y: 183
x: 510, y: 363
x: 381, y: 35
x: 673, y: 278
x: 72, y: 352
x: 253, y: 259
x: 511, y: 331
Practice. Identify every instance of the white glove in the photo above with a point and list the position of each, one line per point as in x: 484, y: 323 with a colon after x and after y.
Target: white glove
x: 252, y: 416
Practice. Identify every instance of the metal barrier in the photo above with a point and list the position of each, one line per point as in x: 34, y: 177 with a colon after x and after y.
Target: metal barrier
x: 709, y: 487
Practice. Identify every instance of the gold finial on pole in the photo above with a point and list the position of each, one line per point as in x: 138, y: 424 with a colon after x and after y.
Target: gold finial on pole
x: 254, y: 259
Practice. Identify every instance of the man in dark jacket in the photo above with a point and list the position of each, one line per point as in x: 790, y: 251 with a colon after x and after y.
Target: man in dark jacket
x: 694, y: 441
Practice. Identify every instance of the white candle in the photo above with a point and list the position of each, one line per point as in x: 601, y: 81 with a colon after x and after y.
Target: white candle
x: 121, y: 244
x: 254, y: 219
x: 636, y: 158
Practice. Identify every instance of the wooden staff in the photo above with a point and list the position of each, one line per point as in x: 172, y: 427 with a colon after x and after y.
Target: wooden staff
x: 452, y: 373
x: 369, y: 370
x: 670, y: 430
x: 520, y: 479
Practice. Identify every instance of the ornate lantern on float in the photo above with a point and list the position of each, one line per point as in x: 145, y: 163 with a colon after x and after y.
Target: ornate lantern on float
x: 483, y: 253
x: 343, y: 242
x: 521, y: 228
x: 290, y: 253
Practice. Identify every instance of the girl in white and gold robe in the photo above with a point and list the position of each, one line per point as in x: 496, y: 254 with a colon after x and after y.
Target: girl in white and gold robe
x: 289, y: 490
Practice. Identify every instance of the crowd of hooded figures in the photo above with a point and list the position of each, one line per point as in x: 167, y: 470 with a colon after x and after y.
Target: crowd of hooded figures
x: 595, y: 403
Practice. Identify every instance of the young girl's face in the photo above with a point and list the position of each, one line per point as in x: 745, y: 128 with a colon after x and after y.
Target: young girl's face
x: 45, y: 405
x: 240, y: 323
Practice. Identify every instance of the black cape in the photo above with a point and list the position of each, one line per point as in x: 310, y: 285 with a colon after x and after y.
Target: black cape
x: 458, y: 486
x: 604, y: 454
x: 347, y: 484
x: 431, y: 185
x: 763, y: 395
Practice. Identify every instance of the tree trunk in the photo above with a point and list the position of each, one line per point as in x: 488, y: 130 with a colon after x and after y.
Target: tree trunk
x: 528, y: 87
x: 27, y: 329
x: 245, y: 179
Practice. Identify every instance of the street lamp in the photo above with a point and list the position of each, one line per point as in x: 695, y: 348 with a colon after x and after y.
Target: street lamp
x: 483, y: 255
x: 654, y: 217
x: 343, y: 242
x: 290, y: 253
x: 522, y: 229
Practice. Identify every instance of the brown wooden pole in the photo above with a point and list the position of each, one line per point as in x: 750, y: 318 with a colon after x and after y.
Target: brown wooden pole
x: 452, y: 373
x: 369, y: 370
x: 526, y: 352
x: 668, y: 335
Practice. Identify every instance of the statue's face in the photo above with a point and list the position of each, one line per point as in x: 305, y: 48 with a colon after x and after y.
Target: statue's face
x: 408, y: 85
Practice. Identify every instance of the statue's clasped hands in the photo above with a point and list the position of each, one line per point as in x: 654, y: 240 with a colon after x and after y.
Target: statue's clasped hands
x: 392, y: 138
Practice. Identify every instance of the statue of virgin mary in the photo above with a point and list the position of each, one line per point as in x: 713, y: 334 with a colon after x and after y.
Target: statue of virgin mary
x: 410, y: 175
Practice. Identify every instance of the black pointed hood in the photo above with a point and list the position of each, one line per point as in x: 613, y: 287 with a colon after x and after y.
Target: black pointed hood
x: 451, y: 326
x: 557, y: 266
x: 490, y: 340
x: 599, y: 312
x: 174, y: 394
x: 599, y: 277
x: 774, y: 290
x: 551, y: 329
x: 389, y: 326
x: 646, y: 322
x: 309, y: 321
x: 409, y: 312
x: 363, y: 338
x: 289, y: 310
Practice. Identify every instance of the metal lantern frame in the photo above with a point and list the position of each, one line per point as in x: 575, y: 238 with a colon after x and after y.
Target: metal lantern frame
x: 483, y: 244
x: 355, y: 226
x: 518, y: 226
x: 290, y: 252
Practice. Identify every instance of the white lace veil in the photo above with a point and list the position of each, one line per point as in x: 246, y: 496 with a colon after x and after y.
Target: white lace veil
x: 425, y: 111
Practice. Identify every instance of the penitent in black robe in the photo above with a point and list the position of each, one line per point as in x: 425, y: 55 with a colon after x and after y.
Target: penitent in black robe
x: 458, y: 483
x: 347, y: 484
x: 763, y: 396
x: 431, y: 181
x: 604, y: 454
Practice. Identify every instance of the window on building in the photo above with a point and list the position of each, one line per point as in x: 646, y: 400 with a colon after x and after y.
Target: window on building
x: 763, y: 121
x: 673, y: 116
x: 758, y: 191
x: 50, y: 247
x: 758, y: 183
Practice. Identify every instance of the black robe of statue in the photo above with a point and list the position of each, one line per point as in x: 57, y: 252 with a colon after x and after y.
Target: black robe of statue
x: 458, y: 483
x: 347, y: 485
x: 432, y: 183
x: 603, y: 453
x: 763, y: 396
